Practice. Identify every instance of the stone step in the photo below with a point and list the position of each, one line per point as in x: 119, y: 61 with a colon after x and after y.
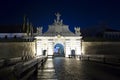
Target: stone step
x: 46, y: 70
x: 46, y: 73
x: 47, y: 79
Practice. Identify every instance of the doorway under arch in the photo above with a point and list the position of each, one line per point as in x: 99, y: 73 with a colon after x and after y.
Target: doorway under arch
x: 73, y: 53
x: 44, y: 52
x: 59, y: 50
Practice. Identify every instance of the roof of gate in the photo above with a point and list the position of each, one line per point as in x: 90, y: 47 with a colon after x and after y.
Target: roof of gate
x: 58, y: 28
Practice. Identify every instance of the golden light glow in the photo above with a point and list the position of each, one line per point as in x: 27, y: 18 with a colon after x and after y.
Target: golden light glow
x: 59, y: 36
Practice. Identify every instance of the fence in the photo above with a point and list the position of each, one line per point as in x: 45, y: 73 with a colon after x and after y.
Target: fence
x: 109, y: 59
x: 16, y: 69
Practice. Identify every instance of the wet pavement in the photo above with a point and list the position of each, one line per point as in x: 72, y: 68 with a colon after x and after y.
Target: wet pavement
x: 47, y: 72
x: 72, y: 69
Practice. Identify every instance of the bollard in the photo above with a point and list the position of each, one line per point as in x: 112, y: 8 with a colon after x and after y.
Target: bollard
x: 2, y: 62
x: 104, y: 60
x: 88, y: 58
x: 80, y: 57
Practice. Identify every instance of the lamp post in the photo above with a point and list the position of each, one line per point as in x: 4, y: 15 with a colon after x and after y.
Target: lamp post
x: 81, y: 50
x: 81, y: 46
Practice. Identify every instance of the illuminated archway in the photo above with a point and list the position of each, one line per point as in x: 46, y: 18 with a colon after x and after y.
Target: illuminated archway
x: 59, y: 50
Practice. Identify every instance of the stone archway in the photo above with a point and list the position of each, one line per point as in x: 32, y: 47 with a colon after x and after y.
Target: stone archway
x: 58, y: 50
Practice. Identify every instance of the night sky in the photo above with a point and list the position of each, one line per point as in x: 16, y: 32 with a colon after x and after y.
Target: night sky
x: 83, y: 13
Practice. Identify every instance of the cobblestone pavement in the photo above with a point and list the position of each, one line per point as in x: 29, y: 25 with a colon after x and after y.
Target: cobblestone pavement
x: 72, y: 69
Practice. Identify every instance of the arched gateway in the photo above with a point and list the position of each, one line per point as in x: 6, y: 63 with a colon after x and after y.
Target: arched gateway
x: 58, y: 33
x: 59, y: 50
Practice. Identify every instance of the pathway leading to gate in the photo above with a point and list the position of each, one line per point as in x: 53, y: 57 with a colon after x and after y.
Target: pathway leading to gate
x: 72, y: 69
x: 47, y: 72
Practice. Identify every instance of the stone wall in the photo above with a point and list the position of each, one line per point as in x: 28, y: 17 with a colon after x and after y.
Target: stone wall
x: 101, y: 48
x: 16, y: 49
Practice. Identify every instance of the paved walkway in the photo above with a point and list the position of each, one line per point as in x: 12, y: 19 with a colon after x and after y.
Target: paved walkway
x: 72, y: 69
x: 47, y: 72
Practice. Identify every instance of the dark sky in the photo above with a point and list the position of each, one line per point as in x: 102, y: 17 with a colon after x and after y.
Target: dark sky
x: 83, y: 13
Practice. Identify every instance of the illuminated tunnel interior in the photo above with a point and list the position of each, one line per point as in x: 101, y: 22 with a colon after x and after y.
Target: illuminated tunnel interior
x: 59, y: 50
